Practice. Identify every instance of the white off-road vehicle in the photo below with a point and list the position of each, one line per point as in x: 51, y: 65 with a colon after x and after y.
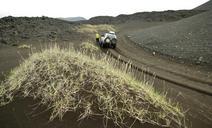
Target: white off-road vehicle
x: 108, y: 40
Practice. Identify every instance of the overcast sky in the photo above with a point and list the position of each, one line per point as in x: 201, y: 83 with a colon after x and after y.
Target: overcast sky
x: 89, y: 8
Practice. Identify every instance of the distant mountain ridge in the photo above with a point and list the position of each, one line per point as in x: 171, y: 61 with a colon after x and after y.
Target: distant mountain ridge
x: 73, y: 18
x: 168, y: 15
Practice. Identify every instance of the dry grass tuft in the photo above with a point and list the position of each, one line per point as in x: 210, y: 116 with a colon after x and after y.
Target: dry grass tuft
x: 24, y: 46
x: 66, y: 80
x: 88, y: 28
x: 89, y: 47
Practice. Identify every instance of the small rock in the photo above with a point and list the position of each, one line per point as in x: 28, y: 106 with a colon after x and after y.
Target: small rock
x: 25, y: 36
x: 153, y: 53
x: 53, y: 33
x: 200, y: 60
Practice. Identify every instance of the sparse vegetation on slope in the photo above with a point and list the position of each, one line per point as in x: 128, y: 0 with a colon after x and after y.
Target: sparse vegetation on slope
x: 88, y: 28
x: 89, y: 47
x: 66, y: 80
x: 24, y: 46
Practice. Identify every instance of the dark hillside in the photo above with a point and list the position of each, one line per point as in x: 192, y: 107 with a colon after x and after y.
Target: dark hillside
x: 205, y: 6
x: 144, y: 16
x: 188, y: 39
x: 15, y: 30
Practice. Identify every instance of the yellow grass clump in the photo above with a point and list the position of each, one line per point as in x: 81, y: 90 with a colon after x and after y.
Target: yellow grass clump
x: 67, y: 80
x: 89, y: 47
x: 88, y: 28
x: 24, y: 46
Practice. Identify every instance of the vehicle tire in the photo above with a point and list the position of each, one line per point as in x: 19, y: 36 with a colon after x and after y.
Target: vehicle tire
x: 113, y: 41
x: 114, y: 46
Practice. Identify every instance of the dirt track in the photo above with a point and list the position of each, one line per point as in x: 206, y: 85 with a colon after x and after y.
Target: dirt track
x: 185, y: 75
x: 187, y: 84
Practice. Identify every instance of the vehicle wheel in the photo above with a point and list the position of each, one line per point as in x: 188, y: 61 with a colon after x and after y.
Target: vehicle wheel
x: 113, y: 41
x: 114, y: 46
